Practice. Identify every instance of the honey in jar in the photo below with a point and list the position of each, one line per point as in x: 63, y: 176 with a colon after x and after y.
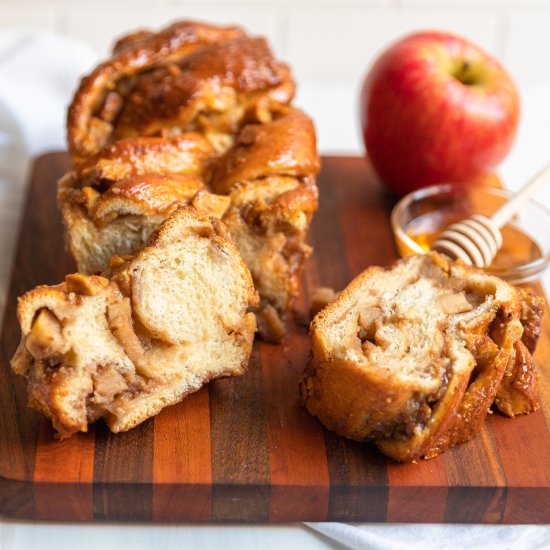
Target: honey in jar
x: 518, y: 247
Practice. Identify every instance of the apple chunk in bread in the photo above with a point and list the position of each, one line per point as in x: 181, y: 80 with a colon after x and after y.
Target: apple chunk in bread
x: 412, y: 357
x: 153, y: 329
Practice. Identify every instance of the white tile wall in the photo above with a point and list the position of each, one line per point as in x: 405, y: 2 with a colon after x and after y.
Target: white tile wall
x: 100, y: 24
x: 475, y: 3
x: 342, y: 42
x: 323, y: 39
x: 311, y: 3
x: 333, y: 106
x: 28, y: 14
x: 527, y: 45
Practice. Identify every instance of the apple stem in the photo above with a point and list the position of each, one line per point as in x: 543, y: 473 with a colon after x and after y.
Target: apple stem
x: 463, y: 73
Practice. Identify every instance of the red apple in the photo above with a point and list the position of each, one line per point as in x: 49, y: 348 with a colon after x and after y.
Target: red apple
x: 436, y: 108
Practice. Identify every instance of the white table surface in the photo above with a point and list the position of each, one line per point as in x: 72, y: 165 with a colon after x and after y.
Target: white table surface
x: 338, y: 134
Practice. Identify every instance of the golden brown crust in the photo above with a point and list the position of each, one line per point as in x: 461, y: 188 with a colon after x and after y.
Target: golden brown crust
x: 360, y: 399
x: 89, y: 119
x: 229, y: 77
x: 145, y: 176
x: 113, y: 201
x: 174, y: 54
x: 155, y: 194
x: 353, y: 392
x: 518, y: 392
x: 532, y: 309
x: 188, y: 154
x: 270, y: 177
x: 286, y: 147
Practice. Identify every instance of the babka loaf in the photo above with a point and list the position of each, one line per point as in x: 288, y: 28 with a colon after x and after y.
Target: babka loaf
x: 412, y: 357
x: 201, y: 115
x: 154, y: 328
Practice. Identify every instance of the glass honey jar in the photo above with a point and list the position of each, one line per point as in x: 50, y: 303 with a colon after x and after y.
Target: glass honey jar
x: 419, y: 217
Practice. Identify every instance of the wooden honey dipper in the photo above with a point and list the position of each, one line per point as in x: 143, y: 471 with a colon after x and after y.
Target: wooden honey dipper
x: 477, y: 239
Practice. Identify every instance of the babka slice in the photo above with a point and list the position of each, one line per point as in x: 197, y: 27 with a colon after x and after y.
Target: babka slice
x: 154, y: 328
x: 411, y: 357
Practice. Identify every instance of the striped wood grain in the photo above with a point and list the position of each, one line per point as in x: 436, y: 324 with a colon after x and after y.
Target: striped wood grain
x: 243, y: 449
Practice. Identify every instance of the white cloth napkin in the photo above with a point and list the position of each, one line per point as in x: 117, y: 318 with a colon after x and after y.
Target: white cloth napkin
x: 440, y: 537
x: 38, y: 74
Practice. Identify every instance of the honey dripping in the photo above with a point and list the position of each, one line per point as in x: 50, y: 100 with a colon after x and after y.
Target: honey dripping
x: 517, y: 248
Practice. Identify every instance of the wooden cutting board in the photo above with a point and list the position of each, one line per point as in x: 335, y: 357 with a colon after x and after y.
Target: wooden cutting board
x: 243, y: 449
